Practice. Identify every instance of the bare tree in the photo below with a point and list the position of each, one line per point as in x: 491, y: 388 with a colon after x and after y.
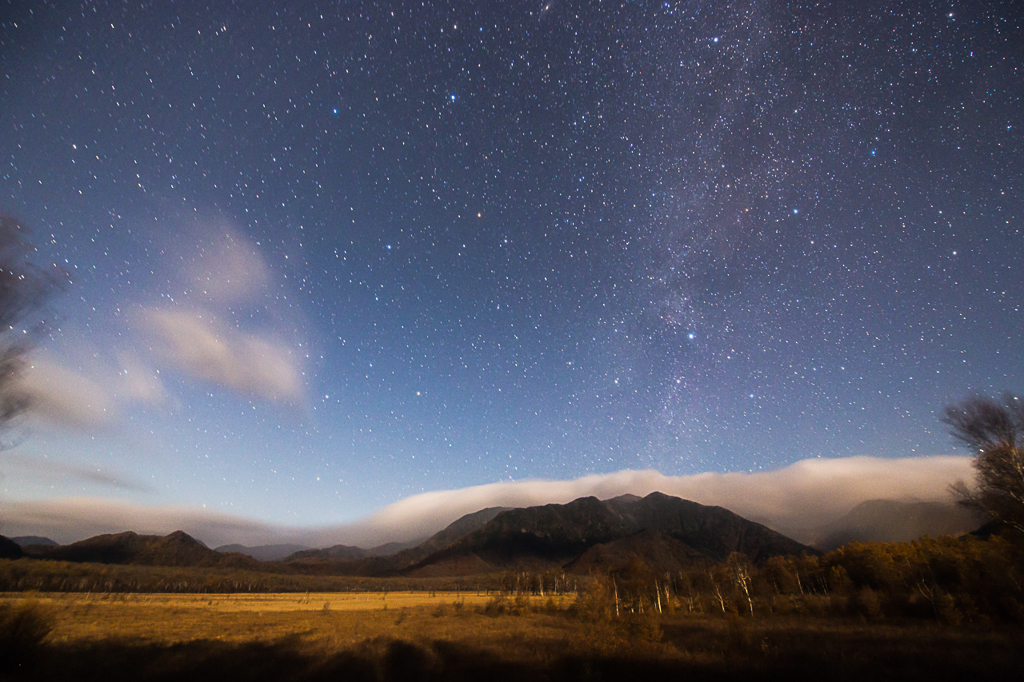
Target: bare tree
x: 994, y: 430
x: 739, y: 564
x: 24, y: 287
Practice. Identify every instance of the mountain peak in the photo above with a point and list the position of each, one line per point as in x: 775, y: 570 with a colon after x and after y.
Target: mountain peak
x: 175, y: 549
x: 666, y: 530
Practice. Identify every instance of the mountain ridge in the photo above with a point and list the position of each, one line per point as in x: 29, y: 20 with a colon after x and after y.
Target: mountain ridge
x: 554, y: 535
x: 584, y: 535
x: 175, y: 549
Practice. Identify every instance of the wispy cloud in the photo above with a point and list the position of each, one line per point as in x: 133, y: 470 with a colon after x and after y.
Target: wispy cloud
x: 87, y: 401
x: 218, y: 271
x: 799, y: 500
x: 226, y: 267
x: 138, y: 382
x: 221, y: 270
x: 196, y: 344
x: 51, y: 470
x: 66, y: 398
x: 72, y: 519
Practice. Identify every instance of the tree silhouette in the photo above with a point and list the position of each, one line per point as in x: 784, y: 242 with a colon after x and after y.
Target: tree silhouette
x: 994, y: 430
x: 24, y: 288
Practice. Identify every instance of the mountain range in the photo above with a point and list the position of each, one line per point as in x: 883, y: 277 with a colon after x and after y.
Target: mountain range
x: 588, y: 534
x: 25, y: 540
x: 175, y: 549
x: 897, y: 521
x: 264, y: 552
x: 583, y: 536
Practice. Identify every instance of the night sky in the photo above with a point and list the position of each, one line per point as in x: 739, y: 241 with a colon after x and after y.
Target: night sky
x: 326, y: 255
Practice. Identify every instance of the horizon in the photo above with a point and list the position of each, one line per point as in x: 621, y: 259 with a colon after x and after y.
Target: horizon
x: 796, y: 501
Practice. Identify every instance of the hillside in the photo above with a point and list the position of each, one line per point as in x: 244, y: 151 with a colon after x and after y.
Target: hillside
x: 28, y: 540
x: 584, y: 536
x: 9, y: 549
x: 263, y: 552
x: 345, y: 560
x: 897, y: 521
x: 176, y: 549
x: 588, y: 534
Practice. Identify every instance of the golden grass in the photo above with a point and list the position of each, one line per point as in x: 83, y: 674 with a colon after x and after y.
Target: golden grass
x: 286, y: 601
x: 323, y: 619
x: 455, y: 630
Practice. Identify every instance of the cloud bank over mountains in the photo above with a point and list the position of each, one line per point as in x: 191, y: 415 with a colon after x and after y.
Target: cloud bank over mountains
x: 797, y: 500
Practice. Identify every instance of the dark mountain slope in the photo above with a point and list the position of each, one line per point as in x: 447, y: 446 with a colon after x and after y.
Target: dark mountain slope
x: 344, y: 552
x: 344, y: 560
x: 28, y: 540
x: 9, y: 549
x: 460, y: 528
x: 663, y: 554
x: 714, y: 531
x: 898, y: 521
x: 553, y: 533
x: 680, y: 533
x: 176, y: 549
x: 263, y: 552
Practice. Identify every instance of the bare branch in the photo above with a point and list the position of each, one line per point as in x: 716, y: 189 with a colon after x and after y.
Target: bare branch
x: 995, y: 431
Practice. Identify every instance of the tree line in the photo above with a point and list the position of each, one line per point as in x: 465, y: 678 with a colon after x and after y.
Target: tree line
x: 949, y: 579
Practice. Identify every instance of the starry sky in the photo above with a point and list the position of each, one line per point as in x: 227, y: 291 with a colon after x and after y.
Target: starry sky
x: 324, y: 256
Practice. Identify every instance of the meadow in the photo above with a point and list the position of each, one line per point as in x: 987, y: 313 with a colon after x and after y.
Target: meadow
x: 456, y: 636
x: 329, y: 618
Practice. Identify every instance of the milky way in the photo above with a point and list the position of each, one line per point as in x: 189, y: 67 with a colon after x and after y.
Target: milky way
x: 327, y: 255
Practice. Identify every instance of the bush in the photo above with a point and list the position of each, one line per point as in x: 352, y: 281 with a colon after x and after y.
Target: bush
x: 497, y: 605
x: 947, y: 610
x: 595, y: 602
x: 23, y: 628
x: 868, y: 604
x: 643, y: 626
x: 521, y: 606
x: 739, y: 635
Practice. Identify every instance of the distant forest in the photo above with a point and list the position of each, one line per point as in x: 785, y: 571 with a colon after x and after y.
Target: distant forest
x: 949, y: 579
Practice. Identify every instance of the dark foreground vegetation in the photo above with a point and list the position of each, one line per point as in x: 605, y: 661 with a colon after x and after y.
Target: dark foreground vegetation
x: 932, y: 609
x: 540, y: 645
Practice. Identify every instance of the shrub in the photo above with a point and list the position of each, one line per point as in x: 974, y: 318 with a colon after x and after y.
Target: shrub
x: 643, y: 626
x: 595, y: 603
x: 947, y: 610
x: 521, y: 605
x: 868, y: 604
x: 497, y: 605
x: 22, y: 630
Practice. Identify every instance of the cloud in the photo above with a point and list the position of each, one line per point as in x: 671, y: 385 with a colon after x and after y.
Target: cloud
x: 194, y: 343
x: 88, y: 383
x: 72, y: 519
x: 799, y: 500
x: 139, y: 383
x: 70, y: 399
x: 50, y: 470
x: 227, y: 268
x: 63, y: 397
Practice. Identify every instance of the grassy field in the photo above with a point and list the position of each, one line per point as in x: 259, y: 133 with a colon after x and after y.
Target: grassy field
x: 443, y: 636
x: 330, y: 619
